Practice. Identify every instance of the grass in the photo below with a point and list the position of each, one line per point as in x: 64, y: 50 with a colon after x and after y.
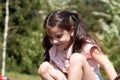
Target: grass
x: 19, y: 76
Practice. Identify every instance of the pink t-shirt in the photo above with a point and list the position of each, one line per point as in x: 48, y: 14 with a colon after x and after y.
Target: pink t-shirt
x: 61, y: 58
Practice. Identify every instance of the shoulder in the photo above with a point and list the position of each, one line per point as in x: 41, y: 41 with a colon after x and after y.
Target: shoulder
x: 88, y: 47
x: 52, y: 52
x: 52, y: 49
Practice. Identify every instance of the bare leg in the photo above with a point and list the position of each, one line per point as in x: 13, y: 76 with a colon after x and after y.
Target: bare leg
x: 79, y: 68
x: 48, y: 71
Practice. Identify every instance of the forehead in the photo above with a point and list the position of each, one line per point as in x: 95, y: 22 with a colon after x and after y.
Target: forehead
x: 53, y: 30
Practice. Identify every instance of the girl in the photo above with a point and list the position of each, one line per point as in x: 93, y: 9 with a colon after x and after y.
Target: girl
x: 70, y: 52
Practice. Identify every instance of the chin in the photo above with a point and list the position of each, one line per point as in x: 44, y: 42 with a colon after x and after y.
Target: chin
x: 59, y: 48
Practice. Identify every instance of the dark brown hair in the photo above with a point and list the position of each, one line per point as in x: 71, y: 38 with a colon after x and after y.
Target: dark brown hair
x: 65, y: 20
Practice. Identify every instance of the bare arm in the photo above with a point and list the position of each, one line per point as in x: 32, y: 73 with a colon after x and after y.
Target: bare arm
x: 104, y: 63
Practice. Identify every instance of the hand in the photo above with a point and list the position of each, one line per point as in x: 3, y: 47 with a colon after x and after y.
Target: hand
x: 118, y: 77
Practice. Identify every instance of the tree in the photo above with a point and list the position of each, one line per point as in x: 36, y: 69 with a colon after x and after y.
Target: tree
x: 110, y: 33
x: 85, y: 8
x: 5, y: 38
x: 24, y: 48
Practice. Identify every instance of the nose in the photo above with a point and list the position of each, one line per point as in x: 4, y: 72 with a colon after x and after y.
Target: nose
x: 55, y: 41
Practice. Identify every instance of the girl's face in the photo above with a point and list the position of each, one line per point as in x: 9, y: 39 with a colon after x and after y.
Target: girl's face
x: 59, y: 38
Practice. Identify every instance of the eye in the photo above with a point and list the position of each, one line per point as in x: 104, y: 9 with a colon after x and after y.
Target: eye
x: 59, y: 36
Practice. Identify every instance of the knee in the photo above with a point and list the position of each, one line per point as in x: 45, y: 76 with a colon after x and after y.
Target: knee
x: 43, y: 68
x: 77, y: 58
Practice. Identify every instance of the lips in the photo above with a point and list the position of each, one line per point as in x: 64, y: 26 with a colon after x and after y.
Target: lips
x: 57, y: 45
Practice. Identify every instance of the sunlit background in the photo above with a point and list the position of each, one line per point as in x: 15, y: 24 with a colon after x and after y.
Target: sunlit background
x: 24, y: 52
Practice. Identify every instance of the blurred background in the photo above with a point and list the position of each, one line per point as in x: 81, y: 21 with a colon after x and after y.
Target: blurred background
x: 24, y: 52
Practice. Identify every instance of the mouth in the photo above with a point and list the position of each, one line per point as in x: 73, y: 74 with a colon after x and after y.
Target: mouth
x: 58, y: 47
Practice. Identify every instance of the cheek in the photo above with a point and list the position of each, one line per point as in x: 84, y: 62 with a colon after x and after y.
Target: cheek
x: 66, y: 39
x: 50, y: 41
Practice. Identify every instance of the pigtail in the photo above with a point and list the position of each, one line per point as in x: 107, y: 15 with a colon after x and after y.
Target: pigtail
x: 46, y: 45
x: 80, y: 33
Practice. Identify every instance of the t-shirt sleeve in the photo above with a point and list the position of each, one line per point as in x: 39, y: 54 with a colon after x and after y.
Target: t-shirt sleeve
x: 87, y: 48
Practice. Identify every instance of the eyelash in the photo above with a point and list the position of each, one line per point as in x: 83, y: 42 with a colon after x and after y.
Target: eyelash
x: 58, y: 36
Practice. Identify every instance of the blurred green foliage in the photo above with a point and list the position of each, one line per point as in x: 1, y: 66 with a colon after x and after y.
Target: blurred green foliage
x: 109, y: 36
x: 25, y: 34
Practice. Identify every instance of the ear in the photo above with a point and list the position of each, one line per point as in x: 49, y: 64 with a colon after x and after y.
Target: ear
x: 72, y: 31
